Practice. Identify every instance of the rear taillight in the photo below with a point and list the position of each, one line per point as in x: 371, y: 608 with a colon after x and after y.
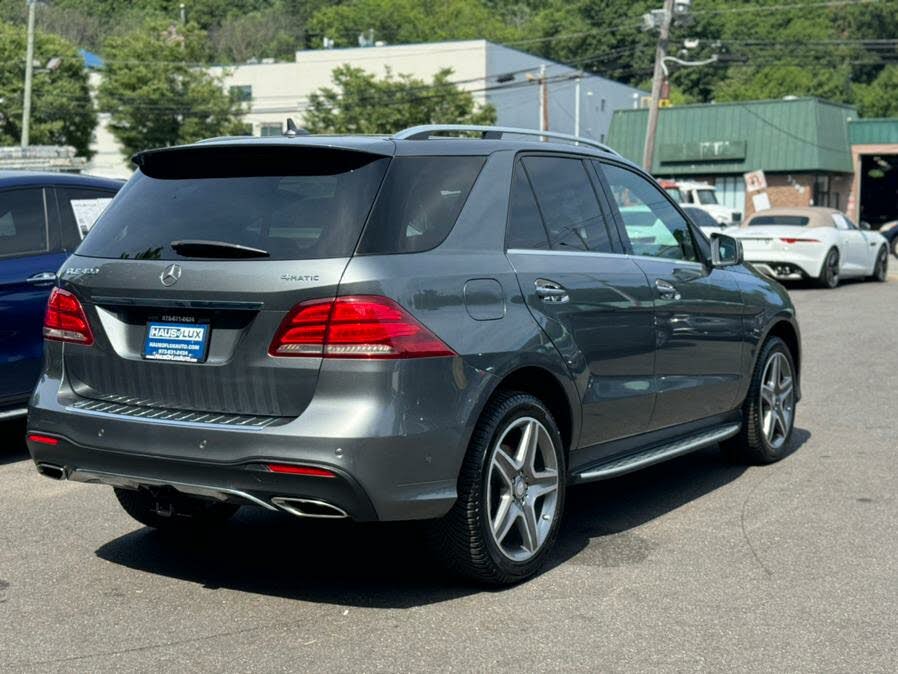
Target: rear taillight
x: 43, y: 439
x: 354, y: 327
x: 789, y: 239
x: 65, y: 320
x: 291, y: 469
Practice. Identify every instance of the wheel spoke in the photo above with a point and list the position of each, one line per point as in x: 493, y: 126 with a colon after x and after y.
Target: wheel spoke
x: 769, y: 422
x: 527, y: 445
x: 785, y: 389
x: 506, y: 515
x: 775, y: 371
x: 768, y: 394
x: 545, y: 482
x: 529, y: 527
x: 506, y: 467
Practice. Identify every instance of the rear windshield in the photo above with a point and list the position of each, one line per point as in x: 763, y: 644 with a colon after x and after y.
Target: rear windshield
x: 786, y: 220
x: 294, y: 203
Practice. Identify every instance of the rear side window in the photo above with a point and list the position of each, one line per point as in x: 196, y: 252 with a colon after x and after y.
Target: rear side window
x: 568, y: 204
x: 419, y: 203
x: 293, y: 202
x: 787, y: 220
x: 525, y: 226
x: 23, y: 226
x: 79, y: 208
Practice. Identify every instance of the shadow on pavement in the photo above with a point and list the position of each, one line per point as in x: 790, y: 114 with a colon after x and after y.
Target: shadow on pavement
x: 389, y: 565
x: 12, y: 441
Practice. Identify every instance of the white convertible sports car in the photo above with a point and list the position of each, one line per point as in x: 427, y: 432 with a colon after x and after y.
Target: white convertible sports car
x: 812, y: 242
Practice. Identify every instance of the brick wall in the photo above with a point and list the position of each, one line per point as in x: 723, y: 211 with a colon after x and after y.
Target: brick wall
x: 786, y: 190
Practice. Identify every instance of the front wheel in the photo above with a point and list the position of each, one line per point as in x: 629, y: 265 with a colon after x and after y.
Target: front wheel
x: 768, y: 413
x: 510, y: 494
x: 829, y: 275
x: 881, y: 268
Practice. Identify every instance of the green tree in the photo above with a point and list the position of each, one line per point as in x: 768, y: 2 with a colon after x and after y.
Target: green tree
x: 157, y: 92
x: 61, y: 109
x: 878, y: 98
x: 360, y: 103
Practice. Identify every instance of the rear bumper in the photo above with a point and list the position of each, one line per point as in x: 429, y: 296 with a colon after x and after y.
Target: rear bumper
x: 785, y: 265
x: 397, y: 457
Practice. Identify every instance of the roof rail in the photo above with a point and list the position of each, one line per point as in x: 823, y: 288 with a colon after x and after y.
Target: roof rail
x: 428, y: 131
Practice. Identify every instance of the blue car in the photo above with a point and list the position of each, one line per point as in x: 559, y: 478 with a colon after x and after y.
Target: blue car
x: 43, y: 217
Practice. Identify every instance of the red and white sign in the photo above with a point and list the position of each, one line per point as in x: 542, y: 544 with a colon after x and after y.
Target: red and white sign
x: 755, y: 181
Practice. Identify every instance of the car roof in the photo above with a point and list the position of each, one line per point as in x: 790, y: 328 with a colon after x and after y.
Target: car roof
x: 46, y: 178
x: 388, y: 146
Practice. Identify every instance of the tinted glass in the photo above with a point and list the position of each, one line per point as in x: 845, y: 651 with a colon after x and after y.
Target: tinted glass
x: 706, y: 197
x: 701, y: 218
x: 675, y: 194
x: 786, y: 220
x: 294, y: 203
x: 568, y: 204
x: 79, y: 208
x: 23, y: 228
x: 419, y: 203
x: 655, y: 228
x: 525, y: 226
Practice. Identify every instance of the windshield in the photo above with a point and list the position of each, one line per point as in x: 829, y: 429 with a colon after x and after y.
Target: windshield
x: 706, y: 197
x: 294, y: 204
x: 675, y: 194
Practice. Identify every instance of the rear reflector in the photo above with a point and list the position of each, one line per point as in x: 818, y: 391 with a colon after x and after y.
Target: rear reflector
x: 789, y: 239
x: 42, y: 439
x: 310, y: 471
x: 354, y: 327
x: 65, y: 320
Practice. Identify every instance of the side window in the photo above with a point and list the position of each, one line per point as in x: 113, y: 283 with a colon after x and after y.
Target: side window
x: 23, y: 227
x: 568, y: 204
x: 841, y: 221
x: 79, y: 208
x: 655, y: 228
x: 419, y: 203
x: 525, y: 225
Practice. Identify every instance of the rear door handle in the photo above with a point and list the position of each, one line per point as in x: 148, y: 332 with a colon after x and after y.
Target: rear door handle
x: 44, y: 278
x: 667, y: 291
x: 552, y: 292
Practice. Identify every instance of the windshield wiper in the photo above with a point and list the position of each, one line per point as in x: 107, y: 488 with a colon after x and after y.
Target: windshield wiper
x: 202, y: 248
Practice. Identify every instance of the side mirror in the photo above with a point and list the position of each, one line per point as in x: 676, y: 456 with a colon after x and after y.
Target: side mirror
x: 726, y: 251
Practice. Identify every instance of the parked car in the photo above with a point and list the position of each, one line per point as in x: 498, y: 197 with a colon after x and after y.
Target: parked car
x: 705, y: 221
x: 890, y: 232
x: 405, y: 327
x: 42, y: 216
x: 704, y: 195
x: 812, y: 243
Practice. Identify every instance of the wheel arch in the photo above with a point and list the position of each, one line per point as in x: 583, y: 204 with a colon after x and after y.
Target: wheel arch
x: 787, y: 331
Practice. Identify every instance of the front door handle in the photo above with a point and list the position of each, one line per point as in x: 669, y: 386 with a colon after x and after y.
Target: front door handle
x: 44, y: 278
x: 667, y: 291
x: 550, y: 291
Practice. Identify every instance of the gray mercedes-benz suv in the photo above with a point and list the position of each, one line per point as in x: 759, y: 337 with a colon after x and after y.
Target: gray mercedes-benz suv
x: 411, y: 327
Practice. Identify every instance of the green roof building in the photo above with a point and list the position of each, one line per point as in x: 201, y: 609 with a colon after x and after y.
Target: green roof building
x: 802, y: 145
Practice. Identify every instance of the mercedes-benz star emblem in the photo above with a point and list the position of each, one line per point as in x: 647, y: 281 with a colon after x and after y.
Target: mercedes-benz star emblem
x: 170, y: 275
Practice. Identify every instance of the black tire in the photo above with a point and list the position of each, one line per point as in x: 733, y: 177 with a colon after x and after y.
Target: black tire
x: 881, y: 268
x: 894, y: 246
x: 177, y: 512
x: 463, y: 538
x: 829, y: 275
x: 751, y: 445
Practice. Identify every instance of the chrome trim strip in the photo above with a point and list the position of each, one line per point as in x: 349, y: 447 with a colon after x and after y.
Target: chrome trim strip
x: 628, y: 464
x: 14, y: 414
x: 164, y: 302
x: 133, y: 482
x: 284, y: 503
x: 153, y: 416
x: 588, y: 253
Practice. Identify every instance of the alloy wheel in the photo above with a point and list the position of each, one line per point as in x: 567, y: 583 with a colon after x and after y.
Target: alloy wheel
x: 777, y: 400
x: 522, y: 489
x: 832, y: 270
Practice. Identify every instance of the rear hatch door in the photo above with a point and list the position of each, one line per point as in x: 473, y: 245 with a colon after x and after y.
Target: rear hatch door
x: 188, y: 274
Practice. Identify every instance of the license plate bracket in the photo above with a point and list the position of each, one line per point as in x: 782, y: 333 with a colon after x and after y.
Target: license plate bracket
x: 176, y: 342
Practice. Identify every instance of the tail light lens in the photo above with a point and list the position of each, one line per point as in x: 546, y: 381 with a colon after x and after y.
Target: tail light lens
x: 788, y: 239
x: 65, y: 320
x: 354, y: 327
x: 308, y: 471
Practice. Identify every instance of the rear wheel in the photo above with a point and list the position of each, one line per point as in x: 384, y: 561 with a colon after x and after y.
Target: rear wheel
x: 510, y: 494
x: 768, y: 413
x: 829, y: 275
x: 895, y: 246
x: 173, y: 512
x: 881, y: 268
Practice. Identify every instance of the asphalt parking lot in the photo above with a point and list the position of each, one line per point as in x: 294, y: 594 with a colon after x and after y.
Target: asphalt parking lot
x: 691, y: 565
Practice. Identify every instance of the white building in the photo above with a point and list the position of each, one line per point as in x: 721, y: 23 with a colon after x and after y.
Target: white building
x: 500, y: 76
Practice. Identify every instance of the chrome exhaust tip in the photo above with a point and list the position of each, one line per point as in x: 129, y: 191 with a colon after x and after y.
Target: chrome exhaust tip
x: 304, y: 507
x: 51, y: 471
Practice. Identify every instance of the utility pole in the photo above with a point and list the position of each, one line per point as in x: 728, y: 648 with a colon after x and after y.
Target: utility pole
x: 648, y: 153
x: 577, y: 105
x: 29, y: 72
x: 543, y: 100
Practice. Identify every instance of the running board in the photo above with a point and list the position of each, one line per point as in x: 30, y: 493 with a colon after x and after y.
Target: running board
x: 658, y: 454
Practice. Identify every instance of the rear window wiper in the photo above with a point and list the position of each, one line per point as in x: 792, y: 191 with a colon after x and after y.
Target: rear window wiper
x: 203, y: 248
